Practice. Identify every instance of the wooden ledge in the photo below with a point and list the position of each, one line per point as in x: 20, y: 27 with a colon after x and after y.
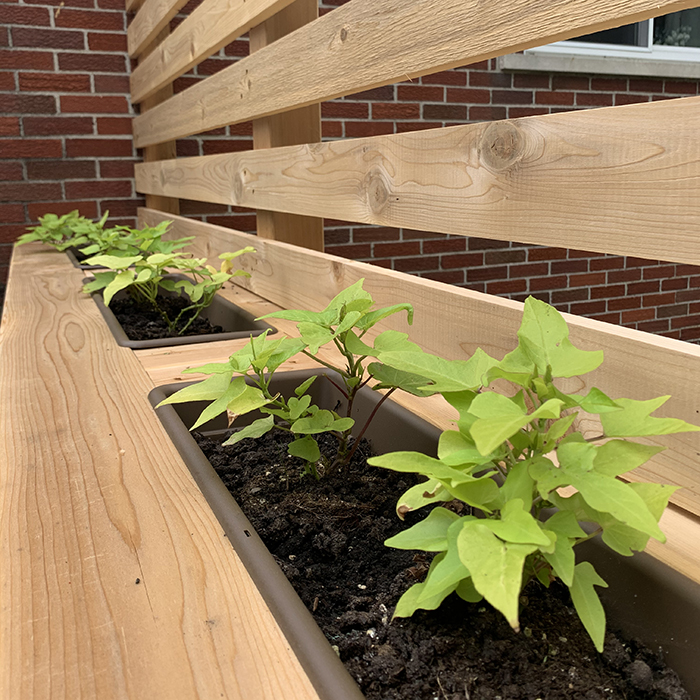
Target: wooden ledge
x: 116, y: 580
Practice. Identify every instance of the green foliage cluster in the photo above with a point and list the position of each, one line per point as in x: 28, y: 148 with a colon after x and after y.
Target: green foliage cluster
x: 508, y: 458
x: 65, y: 231
x: 146, y: 273
x: 343, y: 324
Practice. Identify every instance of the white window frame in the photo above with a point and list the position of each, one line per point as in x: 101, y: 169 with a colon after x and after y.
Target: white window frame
x: 653, y: 60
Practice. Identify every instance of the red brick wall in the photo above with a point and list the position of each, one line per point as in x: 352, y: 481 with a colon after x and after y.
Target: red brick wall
x: 65, y: 144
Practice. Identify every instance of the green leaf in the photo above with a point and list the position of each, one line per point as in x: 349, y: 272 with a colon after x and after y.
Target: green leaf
x: 547, y: 477
x: 298, y: 406
x: 208, y: 389
x: 587, y: 603
x: 430, y: 534
x: 621, y: 456
x: 394, y: 341
x: 408, y: 603
x: 306, y: 448
x: 417, y: 462
x: 423, y: 494
x: 562, y: 560
x: 342, y: 424
x: 357, y: 346
x: 515, y: 367
x: 210, y: 368
x: 596, y: 402
x: 250, y: 399
x: 519, y: 484
x: 517, y: 525
x: 446, y: 375
x: 256, y: 429
x: 450, y: 570
x: 374, y: 317
x: 304, y: 386
x: 389, y: 377
x: 564, y: 524
x: 113, y: 262
x: 558, y: 429
x: 124, y: 279
x: 235, y: 254
x: 481, y: 493
x: 544, y: 338
x: 496, y: 567
x: 216, y: 408
x: 314, y: 336
x: 634, y: 419
x: 320, y: 422
x: 287, y: 348
x: 466, y: 591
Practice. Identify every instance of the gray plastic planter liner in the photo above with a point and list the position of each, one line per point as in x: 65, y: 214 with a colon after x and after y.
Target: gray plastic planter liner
x: 645, y: 598
x: 236, y: 322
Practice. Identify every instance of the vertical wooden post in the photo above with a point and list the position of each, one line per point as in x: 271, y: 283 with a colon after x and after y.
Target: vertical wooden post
x: 161, y: 151
x: 288, y: 129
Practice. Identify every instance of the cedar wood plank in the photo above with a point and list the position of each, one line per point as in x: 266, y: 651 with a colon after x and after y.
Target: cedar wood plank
x: 116, y: 578
x: 364, y: 44
x: 621, y: 180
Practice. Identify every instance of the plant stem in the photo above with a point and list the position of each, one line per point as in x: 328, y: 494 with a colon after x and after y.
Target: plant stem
x: 367, y: 422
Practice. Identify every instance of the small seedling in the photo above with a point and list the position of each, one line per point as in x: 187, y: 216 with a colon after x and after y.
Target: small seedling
x: 343, y: 324
x: 144, y: 276
x: 508, y: 459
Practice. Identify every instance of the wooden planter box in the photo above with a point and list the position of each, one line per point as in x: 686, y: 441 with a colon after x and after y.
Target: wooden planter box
x: 116, y: 579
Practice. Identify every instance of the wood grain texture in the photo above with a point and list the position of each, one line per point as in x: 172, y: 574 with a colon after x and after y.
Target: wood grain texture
x: 297, y: 126
x: 621, y: 180
x: 152, y: 17
x: 161, y: 151
x: 210, y: 27
x: 116, y: 579
x: 364, y: 44
x: 453, y: 322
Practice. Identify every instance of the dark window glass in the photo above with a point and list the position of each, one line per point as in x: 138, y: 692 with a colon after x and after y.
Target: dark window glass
x: 678, y: 29
x: 628, y: 35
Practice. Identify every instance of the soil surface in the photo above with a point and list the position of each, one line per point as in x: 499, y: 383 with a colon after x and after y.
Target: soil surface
x: 141, y: 322
x: 328, y: 538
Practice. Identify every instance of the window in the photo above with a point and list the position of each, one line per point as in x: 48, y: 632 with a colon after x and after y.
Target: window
x: 664, y: 46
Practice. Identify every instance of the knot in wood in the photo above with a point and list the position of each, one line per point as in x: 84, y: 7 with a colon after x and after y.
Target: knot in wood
x: 501, y: 146
x: 239, y: 185
x: 377, y: 193
x: 343, y: 34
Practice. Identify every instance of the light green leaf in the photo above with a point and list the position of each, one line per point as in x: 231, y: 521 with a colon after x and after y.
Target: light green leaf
x: 234, y: 389
x: 481, y: 493
x: 634, y: 419
x: 210, y: 368
x: 314, y: 336
x: 620, y: 456
x: 558, y: 428
x: 357, y: 346
x: 394, y: 341
x: 320, y: 422
x: 304, y: 386
x: 519, y: 484
x: 587, y: 603
x: 347, y: 322
x: 298, y: 406
x: 374, y: 317
x: 423, y: 494
x: 496, y: 567
x: 517, y: 525
x: 430, y: 534
x: 450, y: 570
x: 544, y: 338
x: 306, y: 448
x: 256, y: 429
x: 547, y: 477
x: 388, y: 377
x: 121, y: 281
x: 408, y: 603
x: 466, y: 591
x: 342, y: 424
x: 562, y: 560
x: 564, y: 524
x: 596, y: 402
x: 208, y: 389
x: 113, y: 262
x: 287, y: 348
x: 250, y: 399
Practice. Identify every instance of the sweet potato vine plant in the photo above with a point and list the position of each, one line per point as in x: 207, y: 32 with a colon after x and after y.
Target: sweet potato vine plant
x: 509, y: 458
x: 243, y: 384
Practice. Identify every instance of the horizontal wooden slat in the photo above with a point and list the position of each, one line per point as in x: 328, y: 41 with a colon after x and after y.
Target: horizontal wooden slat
x: 210, y: 27
x: 152, y: 17
x: 364, y: 44
x: 117, y: 580
x: 453, y: 322
x: 621, y: 180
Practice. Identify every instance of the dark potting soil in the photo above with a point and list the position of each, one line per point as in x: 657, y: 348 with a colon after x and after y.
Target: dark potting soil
x: 328, y: 536
x: 141, y: 322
